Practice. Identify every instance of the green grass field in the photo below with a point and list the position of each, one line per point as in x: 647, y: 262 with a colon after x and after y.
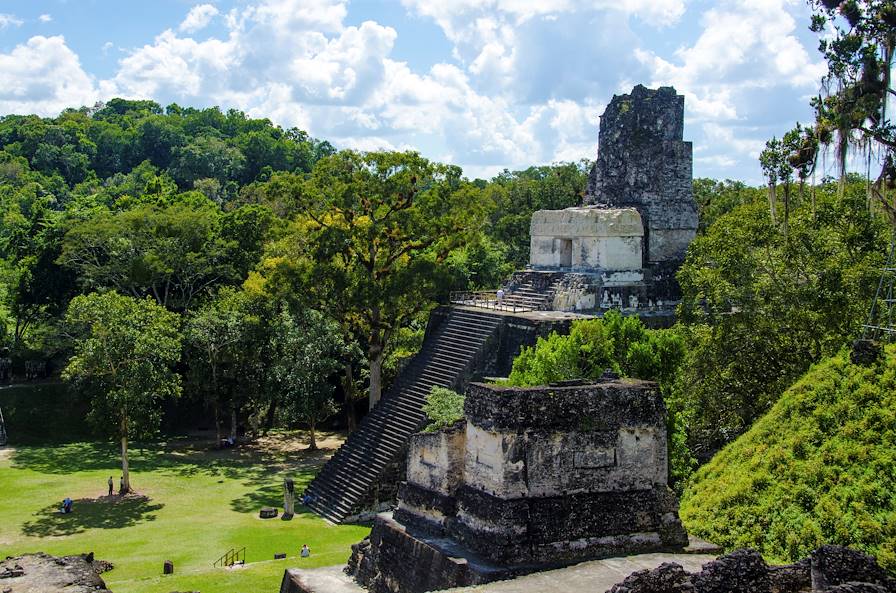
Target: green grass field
x: 197, y: 503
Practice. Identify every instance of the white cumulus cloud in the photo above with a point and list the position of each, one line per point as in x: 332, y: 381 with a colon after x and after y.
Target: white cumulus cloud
x: 9, y: 20
x: 198, y: 18
x: 43, y: 76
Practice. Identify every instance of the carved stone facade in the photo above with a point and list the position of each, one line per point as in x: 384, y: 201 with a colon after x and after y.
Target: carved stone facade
x: 533, y: 477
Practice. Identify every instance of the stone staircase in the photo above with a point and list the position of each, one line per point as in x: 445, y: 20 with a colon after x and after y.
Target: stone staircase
x: 529, y: 296
x: 3, y: 437
x: 350, y: 479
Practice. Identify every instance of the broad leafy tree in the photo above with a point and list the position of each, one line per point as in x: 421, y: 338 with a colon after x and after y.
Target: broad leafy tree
x: 377, y: 230
x: 125, y: 350
x: 308, y: 350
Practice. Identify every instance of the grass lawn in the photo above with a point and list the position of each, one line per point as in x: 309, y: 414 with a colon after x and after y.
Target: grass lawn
x: 196, y: 503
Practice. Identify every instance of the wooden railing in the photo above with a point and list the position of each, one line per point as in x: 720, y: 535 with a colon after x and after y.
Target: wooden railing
x: 485, y: 299
x: 231, y: 557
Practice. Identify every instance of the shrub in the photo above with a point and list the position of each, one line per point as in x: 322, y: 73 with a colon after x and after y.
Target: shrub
x: 443, y: 407
x: 819, y: 467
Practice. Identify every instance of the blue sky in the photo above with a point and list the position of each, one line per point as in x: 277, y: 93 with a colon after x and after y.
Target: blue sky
x: 486, y: 84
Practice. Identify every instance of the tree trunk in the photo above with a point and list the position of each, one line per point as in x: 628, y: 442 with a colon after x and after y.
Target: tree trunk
x: 375, y: 353
x: 312, y: 446
x: 772, y: 199
x: 786, y: 209
x: 269, y: 417
x: 233, y: 422
x: 125, y: 470
x: 348, y: 389
x: 217, y: 407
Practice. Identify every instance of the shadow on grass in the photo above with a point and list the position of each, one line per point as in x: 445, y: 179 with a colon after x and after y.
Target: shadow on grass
x: 92, y: 513
x: 261, y: 471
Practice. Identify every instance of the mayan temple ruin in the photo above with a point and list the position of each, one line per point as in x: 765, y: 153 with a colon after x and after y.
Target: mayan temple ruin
x: 531, y: 478
x: 619, y: 250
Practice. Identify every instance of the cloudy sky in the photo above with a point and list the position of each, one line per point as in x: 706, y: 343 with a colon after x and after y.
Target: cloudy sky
x: 486, y: 84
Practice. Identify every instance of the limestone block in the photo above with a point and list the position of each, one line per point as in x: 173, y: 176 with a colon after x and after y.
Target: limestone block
x: 435, y: 460
x: 586, y: 238
x: 494, y: 462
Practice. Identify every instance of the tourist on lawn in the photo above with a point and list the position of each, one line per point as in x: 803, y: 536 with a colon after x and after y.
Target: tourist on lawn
x: 67, y: 505
x: 306, y: 551
x: 111, y: 489
x: 121, y: 486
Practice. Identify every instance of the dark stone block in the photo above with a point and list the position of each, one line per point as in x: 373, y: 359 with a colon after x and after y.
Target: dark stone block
x: 666, y: 578
x: 791, y: 578
x: 865, y: 352
x: 168, y: 567
x: 595, y: 407
x: 835, y: 565
x: 268, y: 512
x: 742, y: 571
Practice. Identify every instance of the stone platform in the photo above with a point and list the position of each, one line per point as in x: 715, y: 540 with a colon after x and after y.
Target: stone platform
x: 596, y: 576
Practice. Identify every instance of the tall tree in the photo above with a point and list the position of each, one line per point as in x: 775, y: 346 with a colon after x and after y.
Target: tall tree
x: 308, y: 350
x: 125, y: 349
x: 377, y: 228
x: 214, y: 332
x: 858, y: 43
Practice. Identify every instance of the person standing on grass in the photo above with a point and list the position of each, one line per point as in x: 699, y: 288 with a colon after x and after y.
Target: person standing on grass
x: 306, y: 551
x: 110, y: 487
x: 121, y: 486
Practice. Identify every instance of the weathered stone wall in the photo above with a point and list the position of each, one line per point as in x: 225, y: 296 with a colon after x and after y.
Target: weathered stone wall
x: 566, y: 472
x: 586, y: 239
x: 533, y: 477
x: 643, y: 163
x: 394, y: 561
x: 830, y: 569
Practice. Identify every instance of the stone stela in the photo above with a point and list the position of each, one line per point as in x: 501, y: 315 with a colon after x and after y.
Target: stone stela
x: 531, y: 478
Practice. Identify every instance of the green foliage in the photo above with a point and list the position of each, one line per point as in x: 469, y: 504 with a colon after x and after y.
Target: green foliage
x: 443, y: 408
x: 125, y: 349
x: 817, y: 468
x: 622, y: 345
x: 370, y: 248
x: 516, y: 195
x: 759, y: 308
x: 124, y: 353
x: 308, y: 349
x: 617, y: 343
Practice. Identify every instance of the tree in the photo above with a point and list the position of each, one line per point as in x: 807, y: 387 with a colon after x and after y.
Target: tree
x: 214, y: 331
x: 776, y: 167
x: 377, y: 229
x: 173, y: 253
x: 308, y: 350
x: 858, y: 43
x: 124, y: 352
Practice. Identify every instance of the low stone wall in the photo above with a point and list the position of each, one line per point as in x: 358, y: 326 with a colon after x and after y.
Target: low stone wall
x: 830, y: 569
x: 564, y: 529
x: 587, y: 407
x: 392, y: 560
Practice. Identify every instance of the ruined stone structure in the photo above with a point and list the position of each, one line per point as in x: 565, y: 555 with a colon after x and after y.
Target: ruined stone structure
x: 643, y: 163
x: 622, y: 248
x: 829, y: 569
x: 533, y: 477
x: 50, y: 574
x: 619, y: 252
